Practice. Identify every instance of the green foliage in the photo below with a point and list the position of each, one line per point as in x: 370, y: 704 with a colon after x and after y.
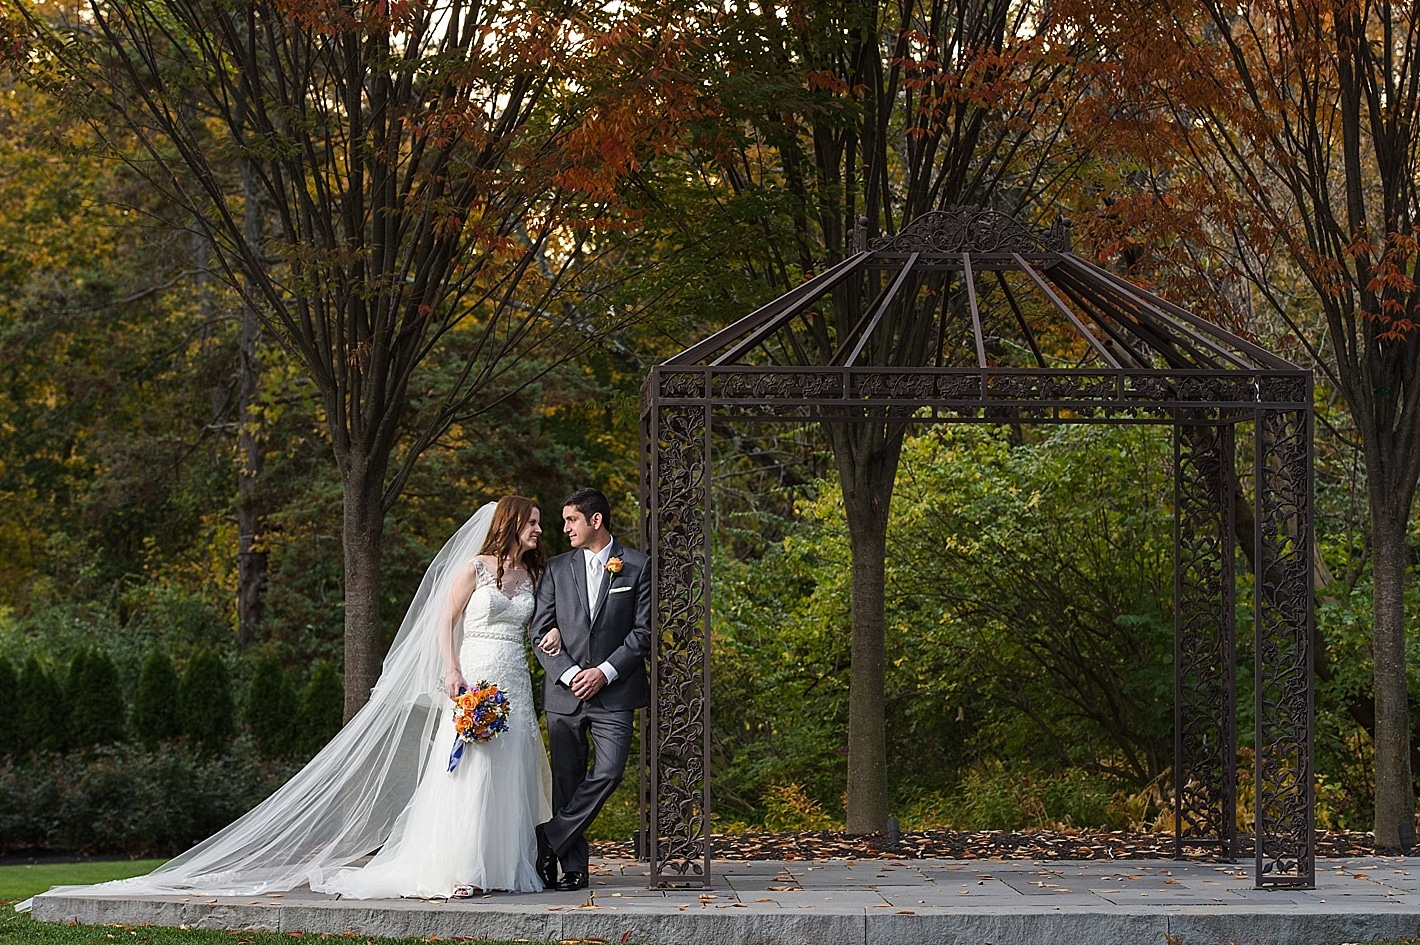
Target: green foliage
x: 272, y: 707
x: 40, y: 717
x: 144, y: 616
x: 156, y: 698
x: 130, y: 799
x: 9, y: 715
x: 94, y: 699
x: 788, y: 809
x: 322, y: 708
x: 991, y: 796
x: 1041, y: 575
x: 1028, y: 618
x: 205, y: 701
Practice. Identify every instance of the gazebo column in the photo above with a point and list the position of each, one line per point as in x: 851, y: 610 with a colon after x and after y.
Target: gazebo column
x: 675, y: 495
x: 1205, y: 689
x: 1283, y: 628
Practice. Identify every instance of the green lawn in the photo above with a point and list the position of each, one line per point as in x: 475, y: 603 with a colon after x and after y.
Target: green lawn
x: 22, y: 882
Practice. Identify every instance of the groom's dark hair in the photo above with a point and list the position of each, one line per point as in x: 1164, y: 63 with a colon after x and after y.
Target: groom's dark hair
x: 589, y: 502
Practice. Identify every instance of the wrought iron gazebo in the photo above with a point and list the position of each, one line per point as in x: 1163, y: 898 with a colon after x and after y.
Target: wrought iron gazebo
x: 966, y: 315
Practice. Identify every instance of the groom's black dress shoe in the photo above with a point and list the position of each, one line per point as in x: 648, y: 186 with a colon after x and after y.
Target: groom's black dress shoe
x: 546, y: 864
x: 572, y: 881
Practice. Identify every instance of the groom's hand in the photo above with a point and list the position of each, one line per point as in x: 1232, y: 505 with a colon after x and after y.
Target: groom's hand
x: 588, y: 683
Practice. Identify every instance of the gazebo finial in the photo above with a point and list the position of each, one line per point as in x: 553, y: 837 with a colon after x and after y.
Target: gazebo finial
x: 967, y: 229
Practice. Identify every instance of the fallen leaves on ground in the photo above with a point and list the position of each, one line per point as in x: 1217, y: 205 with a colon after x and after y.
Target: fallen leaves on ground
x: 983, y: 844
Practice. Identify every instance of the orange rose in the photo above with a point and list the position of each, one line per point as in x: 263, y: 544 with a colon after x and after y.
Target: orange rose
x: 614, y: 565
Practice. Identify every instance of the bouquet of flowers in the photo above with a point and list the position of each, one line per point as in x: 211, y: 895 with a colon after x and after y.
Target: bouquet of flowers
x: 480, y: 714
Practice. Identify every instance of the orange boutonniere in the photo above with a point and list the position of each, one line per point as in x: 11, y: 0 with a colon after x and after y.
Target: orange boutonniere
x: 613, y: 565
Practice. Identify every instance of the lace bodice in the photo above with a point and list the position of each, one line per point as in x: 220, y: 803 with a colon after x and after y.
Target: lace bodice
x: 495, y: 641
x: 493, y: 612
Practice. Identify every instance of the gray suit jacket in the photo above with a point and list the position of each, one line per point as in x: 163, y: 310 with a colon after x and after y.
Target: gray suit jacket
x: 620, y: 634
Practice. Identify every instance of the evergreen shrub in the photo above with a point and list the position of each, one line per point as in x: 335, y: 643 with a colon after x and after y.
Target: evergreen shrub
x: 205, y: 702
x: 322, y: 708
x: 93, y: 700
x: 130, y: 799
x: 155, y: 699
x: 272, y: 708
x: 41, y: 724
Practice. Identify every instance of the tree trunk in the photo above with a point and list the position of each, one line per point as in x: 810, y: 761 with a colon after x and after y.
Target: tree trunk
x: 867, y: 692
x: 251, y: 553
x: 1395, y: 792
x: 867, y: 456
x: 363, y: 537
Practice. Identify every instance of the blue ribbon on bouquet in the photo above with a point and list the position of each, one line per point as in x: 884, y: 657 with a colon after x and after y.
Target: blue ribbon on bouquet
x: 457, y: 753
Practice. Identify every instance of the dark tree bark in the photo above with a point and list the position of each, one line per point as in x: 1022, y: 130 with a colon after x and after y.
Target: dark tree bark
x: 867, y: 480
x: 362, y: 538
x: 251, y: 550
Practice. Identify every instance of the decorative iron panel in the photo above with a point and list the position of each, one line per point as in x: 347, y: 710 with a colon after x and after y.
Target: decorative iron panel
x: 1236, y: 387
x: 1205, y: 697
x: 969, y: 229
x: 1109, y: 391
x: 679, y: 723
x: 1042, y: 386
x: 776, y: 385
x: 683, y: 385
x: 1285, y: 389
x: 1283, y: 628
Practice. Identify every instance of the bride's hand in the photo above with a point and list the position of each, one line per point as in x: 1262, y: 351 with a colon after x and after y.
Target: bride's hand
x: 551, y: 642
x: 454, y: 683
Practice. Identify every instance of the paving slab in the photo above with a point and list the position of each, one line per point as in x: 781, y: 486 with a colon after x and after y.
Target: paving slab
x: 845, y: 902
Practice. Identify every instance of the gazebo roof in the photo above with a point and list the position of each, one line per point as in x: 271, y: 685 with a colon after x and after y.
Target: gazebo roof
x: 975, y: 289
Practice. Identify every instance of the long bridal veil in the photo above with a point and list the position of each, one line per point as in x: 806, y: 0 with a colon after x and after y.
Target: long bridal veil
x: 343, y: 804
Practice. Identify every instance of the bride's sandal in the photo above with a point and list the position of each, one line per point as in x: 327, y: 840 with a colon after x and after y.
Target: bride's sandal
x: 466, y: 892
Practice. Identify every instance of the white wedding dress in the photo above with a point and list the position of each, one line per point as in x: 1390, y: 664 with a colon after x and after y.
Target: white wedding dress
x: 472, y: 826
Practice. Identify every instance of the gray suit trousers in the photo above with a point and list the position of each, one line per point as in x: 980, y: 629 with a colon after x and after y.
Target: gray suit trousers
x: 578, y: 793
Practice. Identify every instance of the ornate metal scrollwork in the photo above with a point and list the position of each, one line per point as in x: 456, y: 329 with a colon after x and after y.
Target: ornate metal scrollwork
x: 1205, y: 691
x: 1148, y: 387
x: 1284, y: 659
x: 685, y: 385
x: 679, y: 716
x: 1285, y: 389
x: 970, y: 229
x: 919, y: 387
x: 786, y: 385
x: 961, y: 386
x: 1217, y: 388
x: 1054, y: 387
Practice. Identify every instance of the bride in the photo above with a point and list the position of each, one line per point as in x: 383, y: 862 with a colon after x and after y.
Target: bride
x: 471, y: 829
x: 383, y: 782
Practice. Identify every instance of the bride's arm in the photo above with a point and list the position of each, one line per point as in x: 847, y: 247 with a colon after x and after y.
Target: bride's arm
x: 459, y: 594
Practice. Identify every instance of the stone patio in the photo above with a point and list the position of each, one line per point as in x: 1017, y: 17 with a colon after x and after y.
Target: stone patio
x: 848, y: 902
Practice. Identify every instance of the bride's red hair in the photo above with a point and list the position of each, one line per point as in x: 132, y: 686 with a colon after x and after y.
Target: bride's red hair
x: 509, y: 518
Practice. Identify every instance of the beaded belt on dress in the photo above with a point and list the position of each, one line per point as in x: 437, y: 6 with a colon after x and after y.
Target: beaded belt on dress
x: 490, y: 635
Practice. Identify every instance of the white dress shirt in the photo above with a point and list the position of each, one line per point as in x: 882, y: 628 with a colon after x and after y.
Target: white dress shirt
x: 595, y: 562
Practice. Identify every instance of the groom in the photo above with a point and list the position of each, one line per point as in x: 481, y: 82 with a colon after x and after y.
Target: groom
x: 598, y: 596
